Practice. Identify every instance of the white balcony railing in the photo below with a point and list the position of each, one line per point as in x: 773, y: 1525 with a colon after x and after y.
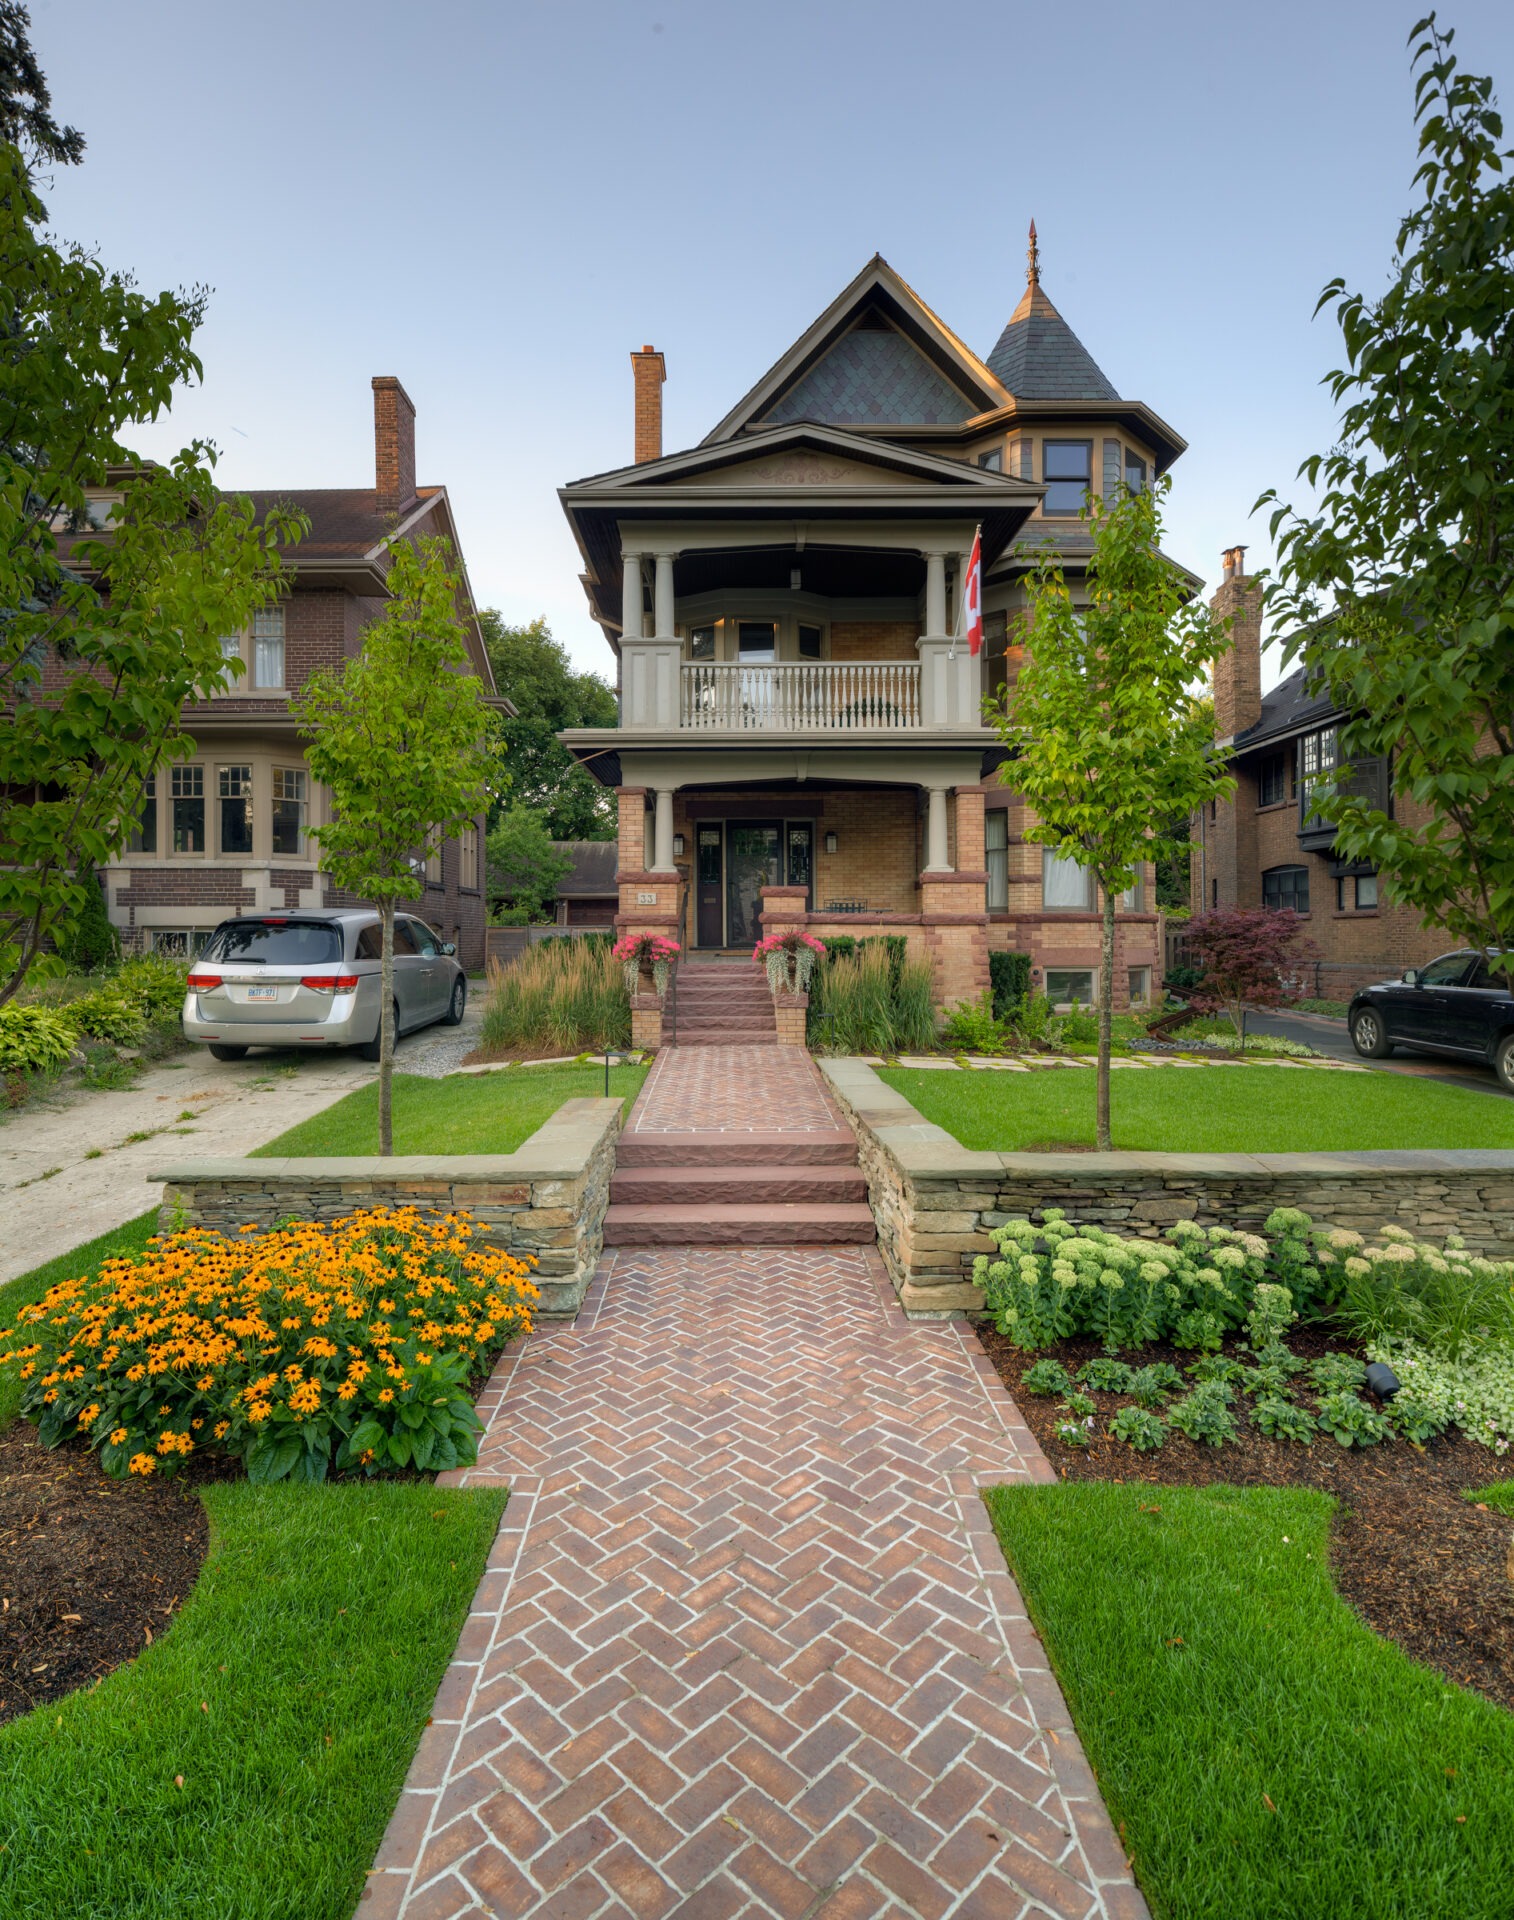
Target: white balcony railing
x: 845, y: 696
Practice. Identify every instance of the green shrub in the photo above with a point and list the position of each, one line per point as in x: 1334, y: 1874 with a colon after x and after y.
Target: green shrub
x: 1189, y: 1287
x: 1403, y: 1289
x: 972, y: 1027
x: 34, y: 1039
x: 1152, y: 1384
x: 1047, y: 1376
x: 91, y: 941
x: 1078, y: 1405
x: 1105, y: 1376
x: 1475, y: 1393
x: 1350, y: 1421
x: 1138, y: 1429
x: 1078, y: 1027
x: 1204, y: 1415
x: 1281, y: 1419
x: 1337, y: 1373
x: 1009, y: 977
x: 560, y: 996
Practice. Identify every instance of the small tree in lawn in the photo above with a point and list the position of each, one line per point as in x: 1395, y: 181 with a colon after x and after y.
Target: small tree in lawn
x: 1247, y: 957
x: 405, y: 741
x: 1109, y: 739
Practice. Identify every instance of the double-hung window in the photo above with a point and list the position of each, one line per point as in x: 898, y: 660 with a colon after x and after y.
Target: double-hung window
x: 289, y: 802
x: 268, y: 647
x: 1286, y: 887
x: 187, y: 807
x: 467, y: 859
x: 1067, y: 469
x: 996, y: 858
x: 1135, y: 471
x: 1272, y: 780
x: 144, y: 835
x: 234, y: 791
x: 1065, y: 886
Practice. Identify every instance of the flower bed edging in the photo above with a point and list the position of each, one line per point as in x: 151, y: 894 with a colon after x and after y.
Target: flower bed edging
x: 546, y: 1201
x: 934, y: 1200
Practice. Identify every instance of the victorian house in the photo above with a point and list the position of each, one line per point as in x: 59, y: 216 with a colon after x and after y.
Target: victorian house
x: 801, y: 732
x: 226, y: 830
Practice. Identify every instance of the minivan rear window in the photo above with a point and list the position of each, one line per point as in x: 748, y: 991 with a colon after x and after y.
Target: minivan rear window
x: 275, y: 943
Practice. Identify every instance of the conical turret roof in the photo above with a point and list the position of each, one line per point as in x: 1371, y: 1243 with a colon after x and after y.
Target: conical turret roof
x: 1038, y: 356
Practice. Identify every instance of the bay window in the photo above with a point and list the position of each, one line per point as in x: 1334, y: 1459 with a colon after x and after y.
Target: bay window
x: 289, y: 801
x: 187, y: 807
x: 234, y: 791
x: 1067, y: 468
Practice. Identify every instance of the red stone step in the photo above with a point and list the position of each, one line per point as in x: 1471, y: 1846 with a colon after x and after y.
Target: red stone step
x: 736, y: 1186
x: 749, y: 1225
x: 830, y: 1148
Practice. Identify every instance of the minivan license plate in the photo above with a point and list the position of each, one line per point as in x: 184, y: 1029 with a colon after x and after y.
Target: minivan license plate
x: 262, y: 993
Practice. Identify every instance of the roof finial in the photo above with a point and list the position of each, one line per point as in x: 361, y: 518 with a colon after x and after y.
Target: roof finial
x: 1033, y: 260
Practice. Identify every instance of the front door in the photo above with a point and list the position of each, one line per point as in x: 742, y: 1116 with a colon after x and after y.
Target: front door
x: 709, y: 885
x: 754, y: 860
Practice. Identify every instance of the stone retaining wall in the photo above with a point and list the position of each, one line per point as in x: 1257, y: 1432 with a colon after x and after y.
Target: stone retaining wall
x: 934, y: 1199
x: 546, y: 1201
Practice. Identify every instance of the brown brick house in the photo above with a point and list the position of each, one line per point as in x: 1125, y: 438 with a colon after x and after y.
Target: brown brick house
x: 1268, y: 846
x: 801, y: 733
x: 227, y: 829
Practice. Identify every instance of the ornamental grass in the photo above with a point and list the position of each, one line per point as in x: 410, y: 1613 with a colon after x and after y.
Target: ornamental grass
x: 563, y: 996
x: 321, y: 1345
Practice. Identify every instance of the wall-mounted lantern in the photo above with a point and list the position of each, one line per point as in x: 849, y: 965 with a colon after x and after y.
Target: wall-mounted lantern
x: 830, y: 843
x: 677, y: 843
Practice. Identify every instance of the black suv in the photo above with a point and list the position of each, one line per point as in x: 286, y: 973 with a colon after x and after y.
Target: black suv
x: 1456, y: 1004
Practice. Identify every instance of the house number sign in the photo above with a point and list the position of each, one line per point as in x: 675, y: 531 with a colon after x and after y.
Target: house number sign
x: 646, y: 899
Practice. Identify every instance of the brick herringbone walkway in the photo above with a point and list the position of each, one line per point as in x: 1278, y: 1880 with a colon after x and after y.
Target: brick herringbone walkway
x: 733, y: 1090
x: 746, y: 1645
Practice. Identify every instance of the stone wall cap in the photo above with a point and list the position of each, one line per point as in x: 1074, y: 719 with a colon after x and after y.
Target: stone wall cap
x: 560, y: 1148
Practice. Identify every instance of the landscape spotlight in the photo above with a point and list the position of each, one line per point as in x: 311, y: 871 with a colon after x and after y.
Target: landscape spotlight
x: 1382, y: 1381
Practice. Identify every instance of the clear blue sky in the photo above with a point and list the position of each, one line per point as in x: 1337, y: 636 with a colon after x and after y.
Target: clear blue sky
x: 498, y: 201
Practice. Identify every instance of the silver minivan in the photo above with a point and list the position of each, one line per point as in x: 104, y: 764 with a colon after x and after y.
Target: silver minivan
x: 310, y: 978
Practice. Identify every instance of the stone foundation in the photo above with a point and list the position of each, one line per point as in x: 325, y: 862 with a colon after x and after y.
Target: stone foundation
x: 935, y: 1200
x: 545, y: 1202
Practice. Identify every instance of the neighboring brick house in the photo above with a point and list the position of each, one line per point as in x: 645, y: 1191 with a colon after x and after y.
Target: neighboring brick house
x: 1267, y: 847
x: 227, y: 829
x: 588, y: 893
x: 801, y: 736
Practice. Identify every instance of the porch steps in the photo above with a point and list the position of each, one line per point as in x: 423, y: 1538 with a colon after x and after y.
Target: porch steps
x: 743, y: 1224
x: 723, y: 1003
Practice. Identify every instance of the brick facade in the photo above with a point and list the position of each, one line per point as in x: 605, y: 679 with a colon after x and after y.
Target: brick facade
x: 1241, y: 840
x: 159, y: 896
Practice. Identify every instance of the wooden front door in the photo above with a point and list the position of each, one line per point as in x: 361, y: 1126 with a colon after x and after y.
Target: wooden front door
x: 709, y: 885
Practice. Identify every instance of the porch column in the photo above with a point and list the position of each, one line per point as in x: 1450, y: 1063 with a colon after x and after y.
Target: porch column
x: 662, y: 599
x: 630, y: 594
x: 935, y: 832
x: 662, y: 861
x: 935, y: 594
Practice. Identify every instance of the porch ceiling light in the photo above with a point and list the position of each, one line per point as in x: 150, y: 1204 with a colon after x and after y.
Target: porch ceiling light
x: 796, y: 579
x: 830, y: 843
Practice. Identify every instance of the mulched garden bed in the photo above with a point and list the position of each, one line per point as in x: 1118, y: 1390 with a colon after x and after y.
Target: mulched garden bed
x: 92, y: 1569
x: 1421, y: 1565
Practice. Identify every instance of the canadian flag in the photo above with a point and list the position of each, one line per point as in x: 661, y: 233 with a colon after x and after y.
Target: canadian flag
x: 972, y: 595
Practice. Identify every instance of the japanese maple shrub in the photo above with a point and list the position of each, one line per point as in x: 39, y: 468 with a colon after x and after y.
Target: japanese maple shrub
x: 1247, y: 957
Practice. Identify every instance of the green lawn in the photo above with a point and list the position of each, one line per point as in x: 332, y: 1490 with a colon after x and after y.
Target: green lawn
x: 28, y: 1288
x: 315, y: 1636
x: 1211, y: 1669
x: 465, y: 1113
x: 1241, y: 1109
x: 1500, y: 1495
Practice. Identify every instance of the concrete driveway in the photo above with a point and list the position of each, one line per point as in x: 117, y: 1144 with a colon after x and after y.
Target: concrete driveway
x: 75, y: 1168
x: 1330, y: 1037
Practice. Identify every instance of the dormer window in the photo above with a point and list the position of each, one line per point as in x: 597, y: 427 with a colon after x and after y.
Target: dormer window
x: 1135, y: 471
x: 1067, y: 469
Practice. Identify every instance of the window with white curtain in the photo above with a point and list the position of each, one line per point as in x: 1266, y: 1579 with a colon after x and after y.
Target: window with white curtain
x: 1133, y: 899
x: 268, y: 647
x: 1065, y: 886
x: 996, y: 858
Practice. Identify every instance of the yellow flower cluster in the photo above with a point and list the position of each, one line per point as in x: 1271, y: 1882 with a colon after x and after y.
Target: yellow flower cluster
x: 289, y: 1342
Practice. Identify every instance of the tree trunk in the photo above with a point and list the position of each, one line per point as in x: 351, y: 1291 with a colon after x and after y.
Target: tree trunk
x: 1106, y: 1021
x: 386, y: 1030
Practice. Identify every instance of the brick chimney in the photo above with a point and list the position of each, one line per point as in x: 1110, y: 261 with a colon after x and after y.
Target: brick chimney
x: 649, y: 373
x: 1237, y: 672
x: 393, y: 444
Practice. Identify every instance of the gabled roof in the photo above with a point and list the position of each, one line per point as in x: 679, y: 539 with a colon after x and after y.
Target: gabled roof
x: 1038, y: 356
x: 878, y: 355
x: 593, y: 873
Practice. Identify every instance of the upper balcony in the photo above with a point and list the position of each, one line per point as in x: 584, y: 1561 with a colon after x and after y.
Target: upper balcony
x: 820, y: 696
